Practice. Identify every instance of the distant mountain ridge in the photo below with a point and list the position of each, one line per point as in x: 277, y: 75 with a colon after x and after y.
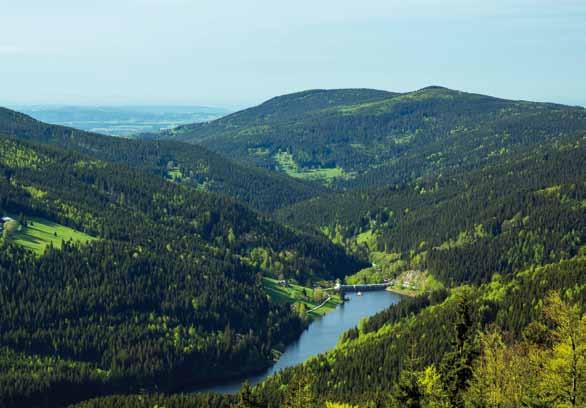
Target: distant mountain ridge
x: 361, y: 137
x: 279, y: 108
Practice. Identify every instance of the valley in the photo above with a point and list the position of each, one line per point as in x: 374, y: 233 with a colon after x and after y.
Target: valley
x: 320, y: 337
x: 309, y: 204
x: 202, y: 256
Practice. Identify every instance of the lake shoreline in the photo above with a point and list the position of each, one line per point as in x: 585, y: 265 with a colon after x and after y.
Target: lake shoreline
x: 321, y: 336
x: 403, y: 292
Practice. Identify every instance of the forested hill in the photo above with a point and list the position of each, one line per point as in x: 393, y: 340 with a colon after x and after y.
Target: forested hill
x: 513, y: 335
x: 475, y: 203
x: 279, y: 109
x: 464, y: 227
x: 504, y: 326
x: 358, y: 138
x: 192, y: 165
x: 169, y: 292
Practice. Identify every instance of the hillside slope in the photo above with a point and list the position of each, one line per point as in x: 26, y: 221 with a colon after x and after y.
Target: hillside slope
x: 507, y: 241
x: 359, y: 138
x: 192, y: 165
x: 506, y: 341
x: 169, y: 293
x: 444, y: 224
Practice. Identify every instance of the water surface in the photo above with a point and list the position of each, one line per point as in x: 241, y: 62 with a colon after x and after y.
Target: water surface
x: 321, y: 336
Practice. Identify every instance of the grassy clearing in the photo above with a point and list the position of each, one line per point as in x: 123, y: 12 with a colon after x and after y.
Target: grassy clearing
x: 259, y: 151
x: 40, y: 233
x: 297, y: 294
x: 175, y: 174
x: 287, y: 164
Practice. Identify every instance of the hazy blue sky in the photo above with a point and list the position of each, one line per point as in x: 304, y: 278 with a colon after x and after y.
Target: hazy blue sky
x: 237, y: 53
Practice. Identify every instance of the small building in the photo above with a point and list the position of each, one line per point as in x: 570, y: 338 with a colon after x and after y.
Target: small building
x: 3, y: 221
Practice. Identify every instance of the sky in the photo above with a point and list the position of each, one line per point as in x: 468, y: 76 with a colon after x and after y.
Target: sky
x: 239, y: 53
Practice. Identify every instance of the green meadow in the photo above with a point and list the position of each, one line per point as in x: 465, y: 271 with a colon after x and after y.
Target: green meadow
x: 297, y: 294
x: 39, y: 233
x: 287, y: 163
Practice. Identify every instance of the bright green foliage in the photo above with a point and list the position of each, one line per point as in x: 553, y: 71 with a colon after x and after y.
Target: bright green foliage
x: 301, y: 297
x: 299, y: 393
x: 288, y: 165
x: 563, y: 376
x: 175, y: 174
x: 526, y: 373
x: 432, y: 389
x: 38, y: 233
x: 9, y: 229
x: 480, y: 195
x: 339, y: 405
x: 501, y: 375
x: 17, y: 155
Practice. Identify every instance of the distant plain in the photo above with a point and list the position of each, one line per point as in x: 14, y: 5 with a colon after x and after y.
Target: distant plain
x: 122, y: 120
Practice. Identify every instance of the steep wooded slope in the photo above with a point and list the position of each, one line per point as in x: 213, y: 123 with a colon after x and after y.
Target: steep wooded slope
x: 516, y: 232
x: 507, y: 215
x: 169, y: 294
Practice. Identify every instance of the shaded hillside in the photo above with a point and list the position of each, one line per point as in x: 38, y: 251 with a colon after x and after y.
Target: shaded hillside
x: 192, y: 165
x: 516, y: 333
x: 170, y: 292
x: 358, y: 138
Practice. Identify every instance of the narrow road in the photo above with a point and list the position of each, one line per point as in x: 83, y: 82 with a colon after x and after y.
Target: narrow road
x: 320, y: 305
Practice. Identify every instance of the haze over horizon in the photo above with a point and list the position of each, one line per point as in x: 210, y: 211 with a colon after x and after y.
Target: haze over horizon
x: 222, y: 53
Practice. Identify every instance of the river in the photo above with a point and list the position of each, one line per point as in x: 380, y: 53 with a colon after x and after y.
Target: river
x: 321, y: 335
